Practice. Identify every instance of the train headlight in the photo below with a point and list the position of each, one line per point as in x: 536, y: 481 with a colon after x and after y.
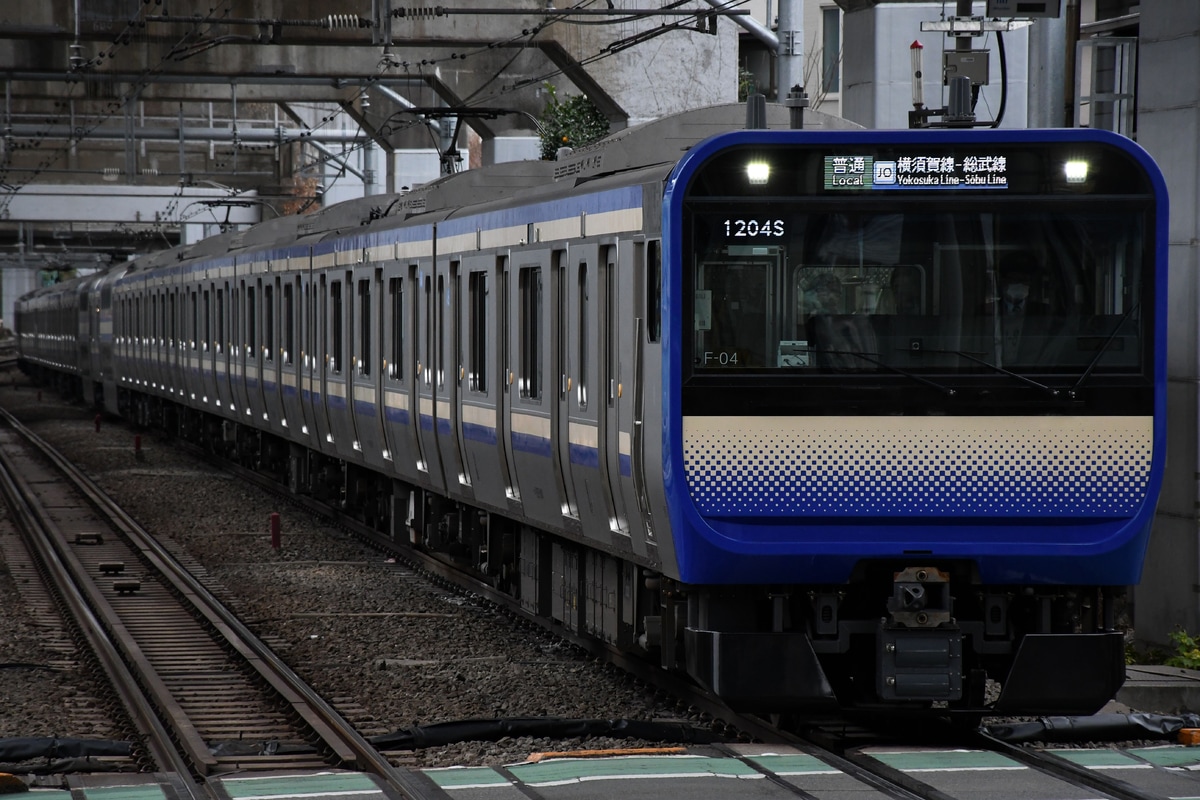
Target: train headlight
x: 1076, y: 171
x: 758, y: 172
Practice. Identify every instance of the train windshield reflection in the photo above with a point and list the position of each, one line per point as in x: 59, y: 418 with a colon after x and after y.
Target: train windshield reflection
x: 957, y: 293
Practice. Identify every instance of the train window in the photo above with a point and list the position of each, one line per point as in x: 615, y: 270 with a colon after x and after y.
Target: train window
x: 396, y: 357
x: 310, y: 340
x: 477, y: 334
x: 581, y: 369
x: 441, y: 333
x: 364, y: 327
x: 269, y: 323
x: 529, y: 285
x: 195, y: 328
x: 221, y: 321
x: 251, y: 324
x: 207, y: 319
x: 335, y: 327
x: 428, y: 371
x: 612, y: 342
x: 289, y: 323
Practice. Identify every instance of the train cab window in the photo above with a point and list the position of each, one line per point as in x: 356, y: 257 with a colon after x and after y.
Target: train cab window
x: 364, y: 327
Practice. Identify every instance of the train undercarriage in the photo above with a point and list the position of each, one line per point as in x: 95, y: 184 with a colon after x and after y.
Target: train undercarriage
x: 899, y: 637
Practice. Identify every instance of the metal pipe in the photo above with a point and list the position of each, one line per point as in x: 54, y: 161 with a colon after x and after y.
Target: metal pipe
x: 396, y: 98
x: 171, y: 134
x: 751, y: 25
x: 337, y: 159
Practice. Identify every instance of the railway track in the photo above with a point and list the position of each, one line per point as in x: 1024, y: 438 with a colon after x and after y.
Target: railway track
x: 204, y: 694
x: 858, y: 756
x: 850, y: 748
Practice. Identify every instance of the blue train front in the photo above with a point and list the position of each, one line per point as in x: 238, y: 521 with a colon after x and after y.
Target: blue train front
x: 914, y: 391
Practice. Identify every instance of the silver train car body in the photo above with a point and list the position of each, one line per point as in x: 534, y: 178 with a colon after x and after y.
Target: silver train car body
x: 452, y: 364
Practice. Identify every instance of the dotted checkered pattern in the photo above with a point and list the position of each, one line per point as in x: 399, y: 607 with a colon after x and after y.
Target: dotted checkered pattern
x: 944, y: 466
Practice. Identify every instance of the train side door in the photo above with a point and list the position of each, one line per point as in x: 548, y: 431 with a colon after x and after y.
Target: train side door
x: 504, y: 397
x: 450, y: 429
x: 429, y: 336
x: 616, y: 345
x: 272, y: 365
x: 532, y: 401
x: 398, y: 369
x: 317, y: 310
x: 481, y: 447
x: 367, y: 400
x: 574, y: 361
x: 291, y: 355
x: 209, y: 340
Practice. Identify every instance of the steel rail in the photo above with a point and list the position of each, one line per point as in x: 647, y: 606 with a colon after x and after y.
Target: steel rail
x: 335, y: 731
x: 40, y: 538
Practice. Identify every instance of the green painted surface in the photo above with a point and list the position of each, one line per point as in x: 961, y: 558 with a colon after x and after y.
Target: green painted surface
x: 1098, y: 758
x: 455, y: 778
x: 934, y: 760
x: 573, y: 770
x: 1173, y: 756
x: 339, y: 782
x: 798, y: 764
x: 147, y: 791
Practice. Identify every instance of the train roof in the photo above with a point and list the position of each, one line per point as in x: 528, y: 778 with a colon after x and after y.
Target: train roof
x: 661, y: 142
x: 641, y: 153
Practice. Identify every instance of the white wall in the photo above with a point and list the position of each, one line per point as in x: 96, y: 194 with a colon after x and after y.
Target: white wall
x: 1169, y: 128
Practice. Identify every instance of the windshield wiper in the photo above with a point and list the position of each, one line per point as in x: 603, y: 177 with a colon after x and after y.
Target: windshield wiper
x: 946, y: 390
x: 1016, y: 375
x: 1104, y: 347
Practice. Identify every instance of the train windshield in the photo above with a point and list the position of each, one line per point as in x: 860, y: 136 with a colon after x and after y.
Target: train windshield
x: 1021, y: 285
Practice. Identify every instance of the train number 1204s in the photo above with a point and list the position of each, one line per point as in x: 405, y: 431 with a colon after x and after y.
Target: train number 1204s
x: 744, y: 228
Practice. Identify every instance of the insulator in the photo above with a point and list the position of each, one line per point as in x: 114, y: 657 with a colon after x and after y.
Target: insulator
x: 336, y: 21
x: 420, y: 12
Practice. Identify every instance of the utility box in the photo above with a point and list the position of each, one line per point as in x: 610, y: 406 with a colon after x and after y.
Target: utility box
x: 1024, y: 8
x: 971, y: 64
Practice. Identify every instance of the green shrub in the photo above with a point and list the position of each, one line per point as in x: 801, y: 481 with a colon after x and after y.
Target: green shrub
x: 574, y: 122
x: 1187, y: 650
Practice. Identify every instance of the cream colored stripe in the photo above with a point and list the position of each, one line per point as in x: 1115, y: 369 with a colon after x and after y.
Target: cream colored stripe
x: 583, y: 434
x: 530, y: 425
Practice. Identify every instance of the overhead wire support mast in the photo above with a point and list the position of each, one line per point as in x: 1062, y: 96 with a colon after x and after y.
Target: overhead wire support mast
x: 959, y: 112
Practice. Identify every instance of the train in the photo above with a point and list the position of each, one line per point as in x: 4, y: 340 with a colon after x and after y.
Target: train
x: 829, y: 420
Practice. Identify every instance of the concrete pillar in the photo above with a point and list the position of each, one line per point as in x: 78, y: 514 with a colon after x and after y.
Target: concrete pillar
x: 1169, y: 127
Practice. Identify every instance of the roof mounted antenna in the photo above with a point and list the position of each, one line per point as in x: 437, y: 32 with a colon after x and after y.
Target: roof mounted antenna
x: 797, y: 101
x: 756, y: 112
